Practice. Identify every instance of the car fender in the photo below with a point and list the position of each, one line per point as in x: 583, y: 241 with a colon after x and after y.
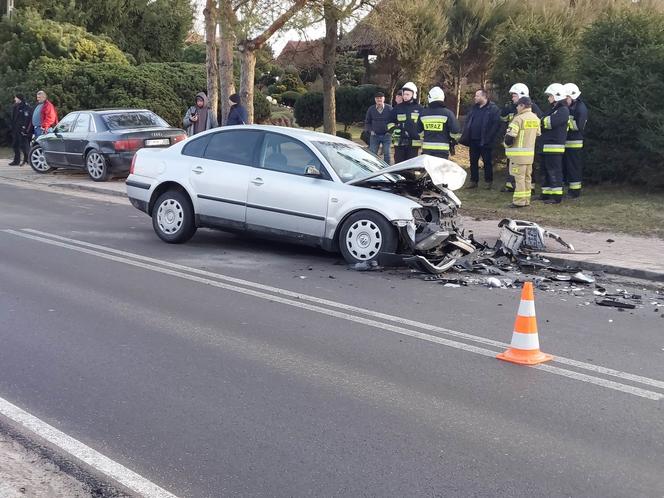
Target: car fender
x: 344, y: 202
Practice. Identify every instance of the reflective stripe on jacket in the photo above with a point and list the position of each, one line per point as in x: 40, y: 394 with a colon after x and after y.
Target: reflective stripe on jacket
x: 405, y: 117
x: 576, y: 124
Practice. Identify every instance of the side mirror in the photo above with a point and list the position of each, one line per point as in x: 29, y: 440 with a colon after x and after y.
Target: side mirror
x: 312, y: 171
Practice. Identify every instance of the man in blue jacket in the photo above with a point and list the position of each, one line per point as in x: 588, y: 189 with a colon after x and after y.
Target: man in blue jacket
x: 479, y: 134
x: 238, y: 114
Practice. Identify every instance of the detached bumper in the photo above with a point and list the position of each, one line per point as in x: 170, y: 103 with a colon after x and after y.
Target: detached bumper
x: 436, y: 252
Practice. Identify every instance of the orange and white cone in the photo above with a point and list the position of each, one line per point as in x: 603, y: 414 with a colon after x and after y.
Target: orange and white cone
x: 525, y: 349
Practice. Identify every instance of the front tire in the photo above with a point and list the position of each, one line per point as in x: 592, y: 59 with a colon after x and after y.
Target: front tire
x: 96, y: 166
x: 365, y: 235
x: 173, y: 217
x: 37, y: 160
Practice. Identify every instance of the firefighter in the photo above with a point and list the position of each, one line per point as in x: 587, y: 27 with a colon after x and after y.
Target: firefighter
x: 439, y: 125
x: 522, y: 132
x: 508, y: 112
x: 403, y: 121
x: 572, y: 160
x: 554, y: 135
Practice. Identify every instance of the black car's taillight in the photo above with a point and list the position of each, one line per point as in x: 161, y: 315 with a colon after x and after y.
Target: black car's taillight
x: 128, y: 145
x: 178, y: 138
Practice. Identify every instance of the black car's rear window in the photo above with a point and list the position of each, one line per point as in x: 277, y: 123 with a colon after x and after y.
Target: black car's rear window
x: 140, y: 119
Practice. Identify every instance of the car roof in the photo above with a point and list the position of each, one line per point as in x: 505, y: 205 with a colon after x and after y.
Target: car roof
x: 115, y: 110
x: 300, y: 133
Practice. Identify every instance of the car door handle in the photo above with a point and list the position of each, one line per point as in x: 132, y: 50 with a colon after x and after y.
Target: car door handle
x: 198, y: 170
x: 257, y: 181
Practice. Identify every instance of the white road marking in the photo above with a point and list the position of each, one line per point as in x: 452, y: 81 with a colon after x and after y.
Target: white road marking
x: 85, y: 454
x: 375, y: 314
x: 609, y: 384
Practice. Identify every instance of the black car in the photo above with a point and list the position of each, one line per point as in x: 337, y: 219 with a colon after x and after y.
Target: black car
x: 101, y: 141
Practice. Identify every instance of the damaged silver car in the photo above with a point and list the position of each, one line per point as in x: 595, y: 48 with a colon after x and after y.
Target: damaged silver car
x: 307, y: 187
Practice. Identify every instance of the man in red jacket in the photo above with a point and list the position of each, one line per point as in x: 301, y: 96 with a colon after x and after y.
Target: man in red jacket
x: 49, y: 116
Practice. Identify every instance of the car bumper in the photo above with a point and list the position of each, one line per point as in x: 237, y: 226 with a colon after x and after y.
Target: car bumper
x: 139, y: 192
x: 120, y: 162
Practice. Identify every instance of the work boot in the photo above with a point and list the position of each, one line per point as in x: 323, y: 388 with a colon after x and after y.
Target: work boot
x: 554, y: 200
x: 574, y: 194
x: 515, y: 206
x: 489, y: 185
x: 13, y: 163
x: 472, y: 185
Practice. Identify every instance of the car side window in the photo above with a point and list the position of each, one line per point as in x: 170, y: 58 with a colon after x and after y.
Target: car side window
x: 67, y: 123
x: 196, y: 147
x: 82, y: 124
x: 282, y: 153
x: 233, y: 146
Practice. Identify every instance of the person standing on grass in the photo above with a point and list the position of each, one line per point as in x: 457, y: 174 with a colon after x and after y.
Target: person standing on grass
x: 479, y: 134
x: 375, y: 123
x: 572, y: 159
x: 20, y: 130
x: 522, y: 132
x: 554, y: 135
x: 403, y: 123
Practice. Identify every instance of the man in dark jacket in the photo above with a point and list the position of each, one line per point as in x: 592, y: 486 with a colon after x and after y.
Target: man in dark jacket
x: 21, y: 114
x: 403, y: 124
x: 238, y: 114
x: 572, y: 159
x: 479, y: 133
x: 554, y: 135
x: 375, y: 123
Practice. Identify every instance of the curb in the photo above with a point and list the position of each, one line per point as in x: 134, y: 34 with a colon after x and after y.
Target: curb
x: 89, y: 188
x: 615, y: 270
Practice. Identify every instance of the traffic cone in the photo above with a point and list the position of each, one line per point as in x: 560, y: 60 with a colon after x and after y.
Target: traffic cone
x: 524, y: 349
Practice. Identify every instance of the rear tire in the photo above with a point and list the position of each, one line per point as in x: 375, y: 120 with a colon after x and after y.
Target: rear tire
x: 37, y: 160
x: 365, y: 235
x: 96, y: 166
x: 173, y: 217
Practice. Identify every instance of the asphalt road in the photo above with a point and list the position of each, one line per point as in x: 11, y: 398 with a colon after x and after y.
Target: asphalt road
x: 320, y: 381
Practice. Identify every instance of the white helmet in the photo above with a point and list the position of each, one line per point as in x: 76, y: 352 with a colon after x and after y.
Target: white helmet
x: 412, y: 87
x: 520, y: 89
x: 436, y: 94
x: 557, y: 90
x: 571, y: 90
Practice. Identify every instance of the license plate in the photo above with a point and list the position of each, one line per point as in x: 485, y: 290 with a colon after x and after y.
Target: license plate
x: 157, y: 141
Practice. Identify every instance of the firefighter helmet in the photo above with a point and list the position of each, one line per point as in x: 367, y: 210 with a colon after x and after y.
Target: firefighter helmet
x: 557, y: 90
x: 436, y: 94
x: 571, y: 90
x: 410, y: 86
x: 520, y: 89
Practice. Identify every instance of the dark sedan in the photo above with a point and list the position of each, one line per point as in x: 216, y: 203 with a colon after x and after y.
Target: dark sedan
x: 101, y: 141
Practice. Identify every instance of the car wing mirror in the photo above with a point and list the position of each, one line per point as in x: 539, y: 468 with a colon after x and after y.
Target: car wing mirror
x: 312, y: 171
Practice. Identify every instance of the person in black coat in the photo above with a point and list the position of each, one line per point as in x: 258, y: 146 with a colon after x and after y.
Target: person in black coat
x: 479, y: 134
x: 21, y: 121
x: 238, y: 114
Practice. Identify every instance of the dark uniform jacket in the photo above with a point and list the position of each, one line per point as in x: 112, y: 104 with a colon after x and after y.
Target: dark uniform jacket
x: 21, y: 118
x: 490, y: 125
x: 404, y: 120
x: 578, y: 117
x: 439, y: 126
x: 554, y: 129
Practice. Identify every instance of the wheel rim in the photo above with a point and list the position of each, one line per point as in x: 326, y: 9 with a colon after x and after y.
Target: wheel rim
x: 95, y: 165
x: 170, y: 216
x: 364, y: 239
x: 38, y: 160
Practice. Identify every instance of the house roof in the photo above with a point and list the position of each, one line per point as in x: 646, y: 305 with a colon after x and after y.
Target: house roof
x: 364, y: 35
x: 302, y: 54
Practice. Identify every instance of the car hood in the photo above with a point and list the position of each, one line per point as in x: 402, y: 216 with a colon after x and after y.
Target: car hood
x: 442, y: 172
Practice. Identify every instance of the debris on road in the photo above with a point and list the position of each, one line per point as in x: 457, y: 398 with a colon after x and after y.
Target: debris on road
x: 615, y: 303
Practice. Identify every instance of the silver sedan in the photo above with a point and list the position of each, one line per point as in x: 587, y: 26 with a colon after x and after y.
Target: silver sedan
x: 302, y: 186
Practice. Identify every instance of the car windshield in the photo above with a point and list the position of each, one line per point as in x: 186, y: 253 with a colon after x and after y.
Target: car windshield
x: 137, y: 119
x: 351, y: 161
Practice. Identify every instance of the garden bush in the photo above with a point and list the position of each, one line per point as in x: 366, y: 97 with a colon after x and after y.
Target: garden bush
x: 309, y: 110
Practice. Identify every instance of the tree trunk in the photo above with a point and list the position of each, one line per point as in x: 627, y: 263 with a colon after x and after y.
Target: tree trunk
x: 329, y: 58
x: 458, y: 92
x: 211, y: 56
x: 226, y: 81
x: 247, y: 71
